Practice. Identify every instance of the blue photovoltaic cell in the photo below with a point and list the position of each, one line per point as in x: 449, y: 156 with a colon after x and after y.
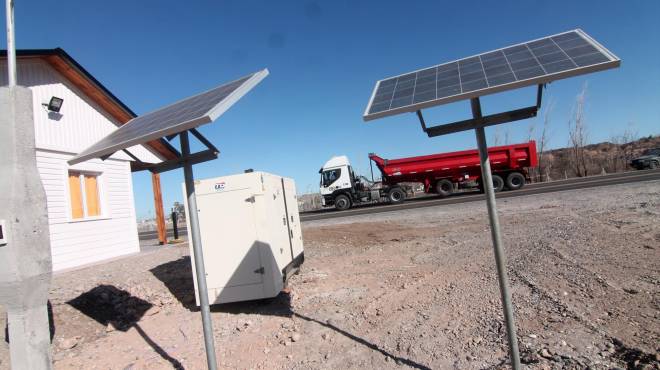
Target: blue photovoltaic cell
x: 180, y: 116
x: 538, y: 61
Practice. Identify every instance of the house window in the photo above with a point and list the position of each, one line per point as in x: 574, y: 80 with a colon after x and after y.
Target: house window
x: 84, y: 195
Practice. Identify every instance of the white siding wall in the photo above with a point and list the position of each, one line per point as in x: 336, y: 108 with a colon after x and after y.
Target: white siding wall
x: 114, y: 233
x: 58, y: 138
x: 81, y: 123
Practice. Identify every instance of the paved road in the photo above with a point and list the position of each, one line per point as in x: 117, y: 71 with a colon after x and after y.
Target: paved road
x: 148, y: 235
x: 538, y: 188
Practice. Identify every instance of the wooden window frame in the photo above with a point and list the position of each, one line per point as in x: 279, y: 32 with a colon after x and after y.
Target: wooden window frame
x: 83, y: 194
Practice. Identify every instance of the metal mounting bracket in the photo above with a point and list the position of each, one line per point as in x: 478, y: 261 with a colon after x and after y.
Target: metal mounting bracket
x: 209, y: 154
x: 490, y: 120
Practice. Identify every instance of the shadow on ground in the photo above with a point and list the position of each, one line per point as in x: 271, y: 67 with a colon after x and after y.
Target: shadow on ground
x: 364, y: 342
x: 177, y: 277
x: 109, y: 305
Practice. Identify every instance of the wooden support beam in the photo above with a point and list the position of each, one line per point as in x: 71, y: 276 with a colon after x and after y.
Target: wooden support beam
x: 158, y: 204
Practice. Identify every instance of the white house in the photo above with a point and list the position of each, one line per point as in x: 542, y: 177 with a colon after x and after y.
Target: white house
x: 91, y: 210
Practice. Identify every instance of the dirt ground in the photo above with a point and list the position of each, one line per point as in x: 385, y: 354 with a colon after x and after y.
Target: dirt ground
x: 414, y: 288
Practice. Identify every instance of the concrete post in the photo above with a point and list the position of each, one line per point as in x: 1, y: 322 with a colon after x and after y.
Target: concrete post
x: 25, y: 260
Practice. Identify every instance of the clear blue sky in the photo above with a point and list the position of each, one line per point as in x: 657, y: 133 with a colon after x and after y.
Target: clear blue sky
x: 324, y: 58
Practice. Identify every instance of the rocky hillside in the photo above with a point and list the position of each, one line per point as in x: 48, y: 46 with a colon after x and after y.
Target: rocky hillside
x: 605, y: 156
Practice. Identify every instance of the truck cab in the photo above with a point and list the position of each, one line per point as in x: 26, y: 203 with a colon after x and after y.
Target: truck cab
x: 341, y: 188
x: 337, y: 178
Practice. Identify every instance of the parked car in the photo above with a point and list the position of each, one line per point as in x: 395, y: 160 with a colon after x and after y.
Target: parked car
x: 649, y: 159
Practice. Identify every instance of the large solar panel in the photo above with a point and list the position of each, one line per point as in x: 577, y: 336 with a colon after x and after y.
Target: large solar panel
x: 178, y: 117
x: 540, y: 61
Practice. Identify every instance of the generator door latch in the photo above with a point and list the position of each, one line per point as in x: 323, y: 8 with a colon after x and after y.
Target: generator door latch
x: 260, y: 270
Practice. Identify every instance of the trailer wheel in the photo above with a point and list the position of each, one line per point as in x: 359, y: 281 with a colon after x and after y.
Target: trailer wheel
x: 444, y: 188
x: 515, y: 181
x: 498, y: 183
x: 396, y: 195
x: 342, y: 202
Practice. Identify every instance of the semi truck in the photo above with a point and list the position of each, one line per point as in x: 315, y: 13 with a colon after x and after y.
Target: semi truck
x: 442, y: 174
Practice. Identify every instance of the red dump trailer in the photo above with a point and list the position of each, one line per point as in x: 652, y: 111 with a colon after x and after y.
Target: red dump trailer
x: 442, y: 174
x: 445, y: 173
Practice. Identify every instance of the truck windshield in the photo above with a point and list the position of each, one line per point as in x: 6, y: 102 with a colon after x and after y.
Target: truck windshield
x: 655, y: 151
x: 330, y: 176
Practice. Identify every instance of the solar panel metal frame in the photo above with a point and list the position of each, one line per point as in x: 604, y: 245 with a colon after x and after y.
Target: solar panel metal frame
x: 613, y: 62
x: 210, y: 116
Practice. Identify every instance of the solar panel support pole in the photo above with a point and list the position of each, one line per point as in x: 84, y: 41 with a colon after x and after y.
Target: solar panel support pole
x: 200, y: 271
x: 500, y: 259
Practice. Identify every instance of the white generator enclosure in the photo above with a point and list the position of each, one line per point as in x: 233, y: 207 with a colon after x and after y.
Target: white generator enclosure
x: 251, y: 235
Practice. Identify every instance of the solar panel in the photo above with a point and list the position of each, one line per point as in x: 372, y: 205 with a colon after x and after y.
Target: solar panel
x: 178, y: 117
x: 540, y: 61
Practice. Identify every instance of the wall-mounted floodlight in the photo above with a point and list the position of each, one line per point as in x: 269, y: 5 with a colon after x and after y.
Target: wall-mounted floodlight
x: 54, y: 105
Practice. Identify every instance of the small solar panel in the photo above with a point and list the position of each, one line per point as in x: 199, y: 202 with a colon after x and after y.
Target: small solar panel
x: 178, y: 117
x: 540, y: 61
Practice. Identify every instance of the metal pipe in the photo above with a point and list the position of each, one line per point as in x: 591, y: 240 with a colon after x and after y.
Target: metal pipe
x: 196, y: 241
x: 421, y: 120
x: 500, y: 259
x: 11, y: 45
x: 371, y: 167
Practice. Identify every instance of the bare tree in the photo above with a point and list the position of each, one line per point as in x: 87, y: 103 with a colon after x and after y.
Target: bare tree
x: 542, y: 142
x: 623, y: 151
x: 614, y: 154
x: 578, y: 134
x: 629, y: 135
x: 531, y: 130
x: 497, y: 136
x: 530, y: 136
x: 507, y: 136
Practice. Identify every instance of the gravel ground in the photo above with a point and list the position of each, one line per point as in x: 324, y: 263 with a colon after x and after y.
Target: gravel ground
x: 414, y: 288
